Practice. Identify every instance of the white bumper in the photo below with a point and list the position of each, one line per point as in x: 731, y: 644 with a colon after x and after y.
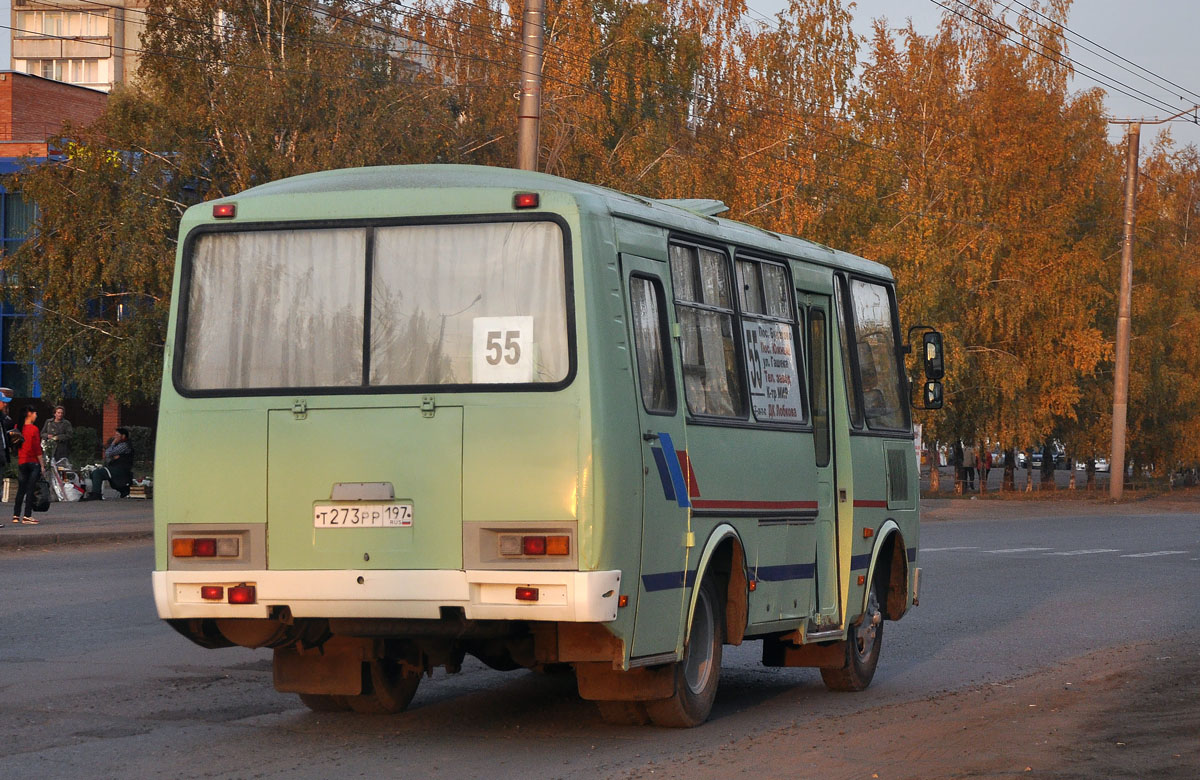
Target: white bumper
x: 570, y: 596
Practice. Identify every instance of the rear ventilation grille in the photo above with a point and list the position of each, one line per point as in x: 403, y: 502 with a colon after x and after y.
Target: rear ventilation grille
x: 897, y: 470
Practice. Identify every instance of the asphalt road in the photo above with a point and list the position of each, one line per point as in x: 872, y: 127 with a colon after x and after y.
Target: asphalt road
x: 95, y: 686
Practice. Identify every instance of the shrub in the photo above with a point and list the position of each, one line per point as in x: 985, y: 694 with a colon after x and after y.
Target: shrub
x: 142, y: 439
x: 85, y: 446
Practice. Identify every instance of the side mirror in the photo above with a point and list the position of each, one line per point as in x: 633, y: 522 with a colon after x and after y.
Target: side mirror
x: 933, y: 395
x: 935, y: 365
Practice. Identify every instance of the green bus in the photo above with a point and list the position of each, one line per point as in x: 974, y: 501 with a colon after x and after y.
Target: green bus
x: 412, y: 413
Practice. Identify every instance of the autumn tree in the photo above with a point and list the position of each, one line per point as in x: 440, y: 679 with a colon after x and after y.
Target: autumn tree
x: 229, y: 95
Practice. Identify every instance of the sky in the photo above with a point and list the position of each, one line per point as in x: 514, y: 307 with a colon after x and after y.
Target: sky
x: 1159, y: 35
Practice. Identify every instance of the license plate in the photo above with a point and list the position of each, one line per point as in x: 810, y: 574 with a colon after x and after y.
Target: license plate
x: 393, y: 515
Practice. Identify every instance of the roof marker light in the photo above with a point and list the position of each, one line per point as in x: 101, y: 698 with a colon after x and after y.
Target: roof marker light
x: 525, y: 200
x: 224, y: 210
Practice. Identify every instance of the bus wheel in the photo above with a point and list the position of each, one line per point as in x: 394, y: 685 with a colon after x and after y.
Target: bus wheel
x: 697, y: 674
x: 862, y: 650
x: 322, y: 702
x: 623, y: 713
x: 391, y: 688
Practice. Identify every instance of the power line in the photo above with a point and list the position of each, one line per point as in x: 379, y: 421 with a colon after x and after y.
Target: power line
x: 1058, y: 59
x: 1113, y: 53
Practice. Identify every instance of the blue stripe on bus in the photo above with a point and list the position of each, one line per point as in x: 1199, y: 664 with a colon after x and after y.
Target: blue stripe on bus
x: 790, y: 571
x: 860, y: 561
x: 661, y: 461
x: 681, y: 491
x: 668, y: 580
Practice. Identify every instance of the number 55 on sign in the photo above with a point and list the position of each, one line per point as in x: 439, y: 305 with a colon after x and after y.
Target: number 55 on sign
x: 502, y: 350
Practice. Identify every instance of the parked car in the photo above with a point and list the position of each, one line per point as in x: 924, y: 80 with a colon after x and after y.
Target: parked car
x: 1101, y: 464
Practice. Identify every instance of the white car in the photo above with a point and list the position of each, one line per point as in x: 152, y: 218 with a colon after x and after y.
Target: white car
x: 1101, y: 464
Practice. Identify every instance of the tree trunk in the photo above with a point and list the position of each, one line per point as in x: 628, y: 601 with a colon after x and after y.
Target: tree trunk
x: 1028, y: 474
x: 935, y: 474
x: 958, y: 469
x: 1091, y: 473
x: 1047, y: 480
x: 1010, y: 470
x: 1071, y: 467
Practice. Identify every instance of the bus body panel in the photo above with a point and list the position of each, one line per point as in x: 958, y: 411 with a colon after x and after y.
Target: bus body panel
x: 417, y: 458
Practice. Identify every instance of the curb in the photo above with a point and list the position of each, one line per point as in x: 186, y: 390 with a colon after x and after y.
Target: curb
x: 44, y: 539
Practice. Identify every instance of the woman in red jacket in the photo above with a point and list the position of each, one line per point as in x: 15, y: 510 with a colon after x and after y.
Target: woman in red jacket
x: 29, y: 467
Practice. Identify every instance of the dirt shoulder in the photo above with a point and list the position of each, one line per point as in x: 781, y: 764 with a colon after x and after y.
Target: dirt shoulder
x: 1061, y: 503
x: 1132, y: 712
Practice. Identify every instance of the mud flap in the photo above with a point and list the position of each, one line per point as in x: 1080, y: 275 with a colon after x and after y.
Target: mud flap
x: 599, y: 681
x: 334, y: 668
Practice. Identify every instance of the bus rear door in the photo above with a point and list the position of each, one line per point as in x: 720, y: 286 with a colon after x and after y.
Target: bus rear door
x: 666, y: 482
x: 823, y: 536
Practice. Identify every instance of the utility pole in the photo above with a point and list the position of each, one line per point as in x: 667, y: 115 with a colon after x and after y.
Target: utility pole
x: 1116, y: 473
x: 529, y: 111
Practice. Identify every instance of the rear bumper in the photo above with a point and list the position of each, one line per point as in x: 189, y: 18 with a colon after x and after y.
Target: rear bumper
x: 570, y: 596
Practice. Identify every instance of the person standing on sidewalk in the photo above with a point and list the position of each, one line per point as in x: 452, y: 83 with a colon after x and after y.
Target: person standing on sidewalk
x: 29, y: 467
x: 55, y: 435
x: 6, y: 425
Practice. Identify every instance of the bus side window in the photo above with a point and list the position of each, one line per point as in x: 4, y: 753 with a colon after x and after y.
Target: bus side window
x: 817, y: 377
x: 877, y: 365
x: 712, y: 383
x: 769, y: 339
x: 650, y: 343
x: 847, y: 365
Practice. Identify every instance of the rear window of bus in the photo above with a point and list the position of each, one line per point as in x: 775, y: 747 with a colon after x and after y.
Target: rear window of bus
x: 373, y: 307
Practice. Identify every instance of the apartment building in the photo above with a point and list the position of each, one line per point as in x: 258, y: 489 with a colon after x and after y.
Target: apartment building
x: 89, y: 43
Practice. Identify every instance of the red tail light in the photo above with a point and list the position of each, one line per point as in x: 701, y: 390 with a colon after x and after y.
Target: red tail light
x: 527, y: 594
x: 242, y: 594
x: 533, y: 545
x: 212, y: 592
x: 205, y: 548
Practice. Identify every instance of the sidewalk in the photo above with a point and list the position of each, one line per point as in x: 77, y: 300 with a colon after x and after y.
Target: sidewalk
x: 67, y: 522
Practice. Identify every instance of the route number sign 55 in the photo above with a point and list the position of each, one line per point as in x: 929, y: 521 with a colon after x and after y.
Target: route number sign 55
x: 502, y: 350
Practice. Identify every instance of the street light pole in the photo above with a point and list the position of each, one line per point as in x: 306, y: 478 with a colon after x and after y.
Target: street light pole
x: 1116, y: 474
x: 529, y: 110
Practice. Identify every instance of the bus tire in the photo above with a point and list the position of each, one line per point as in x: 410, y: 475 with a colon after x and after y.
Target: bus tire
x: 323, y: 702
x: 862, y: 650
x: 697, y: 675
x: 623, y: 713
x: 391, y: 688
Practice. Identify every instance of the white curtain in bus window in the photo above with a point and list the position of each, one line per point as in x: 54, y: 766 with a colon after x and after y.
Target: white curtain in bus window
x: 469, y: 304
x: 704, y: 310
x: 877, y: 355
x: 279, y: 308
x: 648, y: 339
